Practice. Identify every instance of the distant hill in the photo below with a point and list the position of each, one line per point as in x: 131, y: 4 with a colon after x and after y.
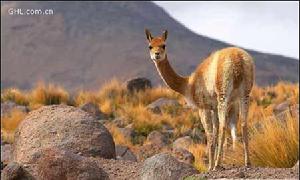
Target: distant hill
x: 85, y: 44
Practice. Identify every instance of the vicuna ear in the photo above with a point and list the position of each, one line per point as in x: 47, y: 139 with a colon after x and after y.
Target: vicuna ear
x: 165, y: 35
x: 148, y: 35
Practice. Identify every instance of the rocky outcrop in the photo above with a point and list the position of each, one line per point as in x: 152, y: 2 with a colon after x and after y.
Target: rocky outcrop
x: 165, y: 167
x: 64, y: 127
x: 138, y: 84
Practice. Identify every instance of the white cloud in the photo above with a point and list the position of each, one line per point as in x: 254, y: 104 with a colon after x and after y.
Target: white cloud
x: 265, y: 26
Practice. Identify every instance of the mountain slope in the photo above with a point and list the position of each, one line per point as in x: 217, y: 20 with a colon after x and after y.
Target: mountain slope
x: 87, y: 43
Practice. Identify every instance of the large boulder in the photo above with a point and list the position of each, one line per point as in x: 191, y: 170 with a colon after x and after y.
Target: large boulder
x: 165, y: 167
x: 53, y: 164
x: 93, y: 110
x: 138, y: 84
x: 64, y: 127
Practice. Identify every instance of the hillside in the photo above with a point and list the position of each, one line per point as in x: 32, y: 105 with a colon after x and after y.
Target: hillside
x: 85, y: 44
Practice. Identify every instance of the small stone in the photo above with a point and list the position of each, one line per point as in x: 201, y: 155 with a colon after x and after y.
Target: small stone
x: 157, y: 138
x: 138, y: 84
x: 12, y: 171
x: 183, y: 142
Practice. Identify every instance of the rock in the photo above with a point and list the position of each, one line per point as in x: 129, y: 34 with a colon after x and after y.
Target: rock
x: 282, y: 112
x: 127, y: 133
x: 93, y: 110
x: 183, y: 142
x: 156, y: 106
x: 183, y: 155
x: 165, y: 167
x: 119, y: 122
x: 281, y: 107
x: 147, y: 150
x: 167, y: 131
x: 157, y: 138
x: 53, y: 163
x: 124, y: 153
x: 8, y: 106
x: 138, y: 84
x: 13, y: 171
x: 5, y: 153
x: 295, y: 111
x: 62, y: 126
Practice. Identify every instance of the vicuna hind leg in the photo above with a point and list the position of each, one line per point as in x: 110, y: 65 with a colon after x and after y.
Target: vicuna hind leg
x: 244, y: 107
x: 233, y: 118
x: 205, y: 116
x: 222, y: 111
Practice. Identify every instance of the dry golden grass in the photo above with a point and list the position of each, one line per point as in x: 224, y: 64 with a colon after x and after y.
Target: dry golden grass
x: 273, y: 143
x: 114, y: 100
x: 83, y: 97
x: 47, y: 94
x: 199, y: 152
x: 143, y: 120
x: 9, y: 123
x: 15, y: 95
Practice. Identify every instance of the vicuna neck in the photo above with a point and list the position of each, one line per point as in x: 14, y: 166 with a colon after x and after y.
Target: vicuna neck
x: 170, y: 77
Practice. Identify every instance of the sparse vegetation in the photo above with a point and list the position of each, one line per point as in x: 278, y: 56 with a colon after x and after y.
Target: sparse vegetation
x: 46, y: 95
x: 272, y: 143
x: 15, y: 95
x: 9, y: 123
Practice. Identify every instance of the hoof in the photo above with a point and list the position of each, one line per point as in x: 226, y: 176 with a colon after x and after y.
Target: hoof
x: 216, y: 168
x: 248, y: 165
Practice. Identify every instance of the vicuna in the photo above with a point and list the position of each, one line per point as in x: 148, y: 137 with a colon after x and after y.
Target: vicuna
x: 219, y: 89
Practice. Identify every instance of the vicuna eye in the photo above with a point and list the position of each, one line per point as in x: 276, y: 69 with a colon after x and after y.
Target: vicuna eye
x: 163, y: 46
x: 150, y: 47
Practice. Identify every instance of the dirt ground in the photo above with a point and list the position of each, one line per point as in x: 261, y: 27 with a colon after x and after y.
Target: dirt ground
x: 129, y: 170
x: 250, y: 173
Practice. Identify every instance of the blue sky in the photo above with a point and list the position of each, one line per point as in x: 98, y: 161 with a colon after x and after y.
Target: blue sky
x: 265, y: 26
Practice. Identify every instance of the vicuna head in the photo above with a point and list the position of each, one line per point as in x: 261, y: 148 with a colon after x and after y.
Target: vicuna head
x: 157, y: 45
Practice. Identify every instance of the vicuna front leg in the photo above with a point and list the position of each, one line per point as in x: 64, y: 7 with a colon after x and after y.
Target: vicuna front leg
x: 206, y: 120
x: 244, y: 107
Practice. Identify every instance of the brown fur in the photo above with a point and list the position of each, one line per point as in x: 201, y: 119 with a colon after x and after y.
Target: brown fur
x: 174, y: 81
